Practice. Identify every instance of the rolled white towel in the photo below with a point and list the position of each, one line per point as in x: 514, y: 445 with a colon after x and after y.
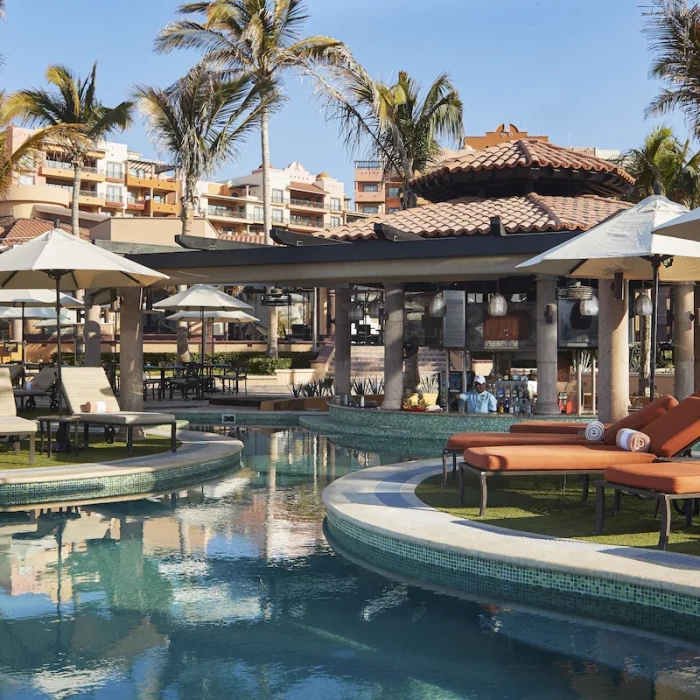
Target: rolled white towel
x: 96, y: 407
x: 632, y: 440
x: 594, y: 431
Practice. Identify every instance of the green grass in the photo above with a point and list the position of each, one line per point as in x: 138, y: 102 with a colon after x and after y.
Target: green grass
x: 538, y: 506
x: 99, y: 451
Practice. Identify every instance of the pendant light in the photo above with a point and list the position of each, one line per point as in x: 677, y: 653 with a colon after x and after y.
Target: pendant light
x: 498, y: 306
x: 438, y: 306
x: 589, y: 307
x: 642, y: 304
x: 356, y: 312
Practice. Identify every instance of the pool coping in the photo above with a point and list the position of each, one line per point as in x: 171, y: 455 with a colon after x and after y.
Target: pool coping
x: 378, y: 507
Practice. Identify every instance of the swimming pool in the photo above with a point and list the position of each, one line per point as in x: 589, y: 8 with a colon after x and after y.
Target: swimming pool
x: 229, y: 589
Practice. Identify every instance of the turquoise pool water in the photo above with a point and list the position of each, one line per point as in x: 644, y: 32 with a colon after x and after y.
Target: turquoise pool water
x: 230, y: 590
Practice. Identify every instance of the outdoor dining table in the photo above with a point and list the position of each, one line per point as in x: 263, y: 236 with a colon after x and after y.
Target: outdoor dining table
x: 163, y: 369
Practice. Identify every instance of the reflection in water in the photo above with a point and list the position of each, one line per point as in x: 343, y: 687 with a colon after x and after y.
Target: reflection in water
x: 229, y: 589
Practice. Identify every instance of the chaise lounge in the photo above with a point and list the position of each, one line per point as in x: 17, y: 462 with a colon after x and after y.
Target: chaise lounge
x: 638, y: 420
x: 85, y: 387
x: 11, y: 425
x: 42, y: 385
x: 671, y: 434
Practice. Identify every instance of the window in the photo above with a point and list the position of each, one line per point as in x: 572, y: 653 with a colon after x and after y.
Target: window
x: 370, y: 209
x: 137, y: 172
x: 258, y: 214
x: 370, y: 188
x: 392, y: 210
x: 114, y: 193
x: 278, y: 196
x: 336, y: 221
x: 114, y: 171
x: 277, y: 215
x: 26, y: 179
x: 392, y: 192
x: 335, y: 204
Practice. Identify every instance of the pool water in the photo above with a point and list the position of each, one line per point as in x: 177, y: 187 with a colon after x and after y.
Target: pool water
x: 230, y: 590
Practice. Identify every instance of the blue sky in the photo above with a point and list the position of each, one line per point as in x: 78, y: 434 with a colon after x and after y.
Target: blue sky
x: 573, y: 69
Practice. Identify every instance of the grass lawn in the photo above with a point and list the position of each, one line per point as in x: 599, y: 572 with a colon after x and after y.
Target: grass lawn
x: 99, y: 451
x: 537, y: 505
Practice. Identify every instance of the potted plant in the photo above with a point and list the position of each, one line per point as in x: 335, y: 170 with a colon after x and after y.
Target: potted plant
x: 430, y: 388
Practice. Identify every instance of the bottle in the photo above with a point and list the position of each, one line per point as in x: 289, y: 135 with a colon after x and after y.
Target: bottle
x: 499, y: 406
x: 506, y: 405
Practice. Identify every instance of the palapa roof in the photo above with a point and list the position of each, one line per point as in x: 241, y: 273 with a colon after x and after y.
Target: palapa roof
x: 530, y: 162
x: 530, y: 213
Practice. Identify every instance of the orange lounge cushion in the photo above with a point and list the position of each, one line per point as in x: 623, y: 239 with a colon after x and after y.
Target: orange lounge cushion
x: 638, y: 420
x: 668, y: 477
x: 551, y: 427
x: 463, y: 441
x: 551, y: 458
x: 677, y: 429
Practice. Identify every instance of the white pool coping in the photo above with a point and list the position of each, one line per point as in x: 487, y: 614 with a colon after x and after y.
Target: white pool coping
x: 383, y: 500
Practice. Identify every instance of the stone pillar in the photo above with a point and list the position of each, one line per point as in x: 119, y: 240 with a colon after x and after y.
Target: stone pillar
x: 92, y: 333
x: 331, y: 312
x: 393, y: 347
x: 17, y: 330
x: 683, y: 340
x: 547, y: 346
x: 342, y: 342
x: 131, y: 350
x: 613, y: 353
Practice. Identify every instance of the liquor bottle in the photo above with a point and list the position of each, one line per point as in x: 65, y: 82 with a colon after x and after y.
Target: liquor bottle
x: 506, y: 405
x: 499, y: 406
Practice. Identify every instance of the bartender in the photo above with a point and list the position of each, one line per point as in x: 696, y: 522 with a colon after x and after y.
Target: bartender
x: 479, y: 400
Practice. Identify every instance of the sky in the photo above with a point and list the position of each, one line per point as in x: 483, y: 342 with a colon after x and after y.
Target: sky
x: 576, y: 70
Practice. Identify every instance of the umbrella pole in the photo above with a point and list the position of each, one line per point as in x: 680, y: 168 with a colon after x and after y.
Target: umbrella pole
x: 655, y: 264
x: 204, y: 347
x: 24, y: 363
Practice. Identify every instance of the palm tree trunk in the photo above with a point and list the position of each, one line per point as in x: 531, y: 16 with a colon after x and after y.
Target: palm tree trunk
x: 75, y: 204
x: 186, y: 217
x: 272, y: 323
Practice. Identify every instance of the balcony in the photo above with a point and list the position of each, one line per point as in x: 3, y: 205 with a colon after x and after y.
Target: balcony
x: 370, y: 197
x: 153, y: 207
x: 90, y: 198
x: 305, y: 222
x: 151, y: 183
x: 63, y: 169
x: 295, y: 203
x: 215, y: 212
x: 114, y: 203
x: 138, y: 204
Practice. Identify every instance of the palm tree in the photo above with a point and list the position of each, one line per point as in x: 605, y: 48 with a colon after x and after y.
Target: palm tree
x: 72, y: 102
x: 674, y: 32
x: 665, y: 164
x: 392, y: 122
x: 261, y: 39
x: 199, y: 122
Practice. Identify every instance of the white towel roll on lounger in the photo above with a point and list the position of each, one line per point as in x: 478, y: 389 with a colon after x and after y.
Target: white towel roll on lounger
x: 632, y: 440
x: 594, y: 431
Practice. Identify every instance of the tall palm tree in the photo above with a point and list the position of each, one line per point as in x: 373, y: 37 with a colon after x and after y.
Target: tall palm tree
x: 259, y: 38
x: 73, y: 102
x: 391, y: 120
x: 199, y: 122
x: 674, y: 33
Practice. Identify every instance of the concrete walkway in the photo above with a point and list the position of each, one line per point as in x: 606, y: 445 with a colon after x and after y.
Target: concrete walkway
x: 382, y: 500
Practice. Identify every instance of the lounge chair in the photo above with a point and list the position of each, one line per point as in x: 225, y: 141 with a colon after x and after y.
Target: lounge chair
x: 550, y: 427
x: 671, y: 433
x: 42, y: 385
x: 636, y: 421
x: 83, y: 385
x: 11, y: 425
x: 15, y: 372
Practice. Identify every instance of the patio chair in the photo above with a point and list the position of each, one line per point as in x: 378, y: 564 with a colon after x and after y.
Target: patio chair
x: 83, y: 385
x: 671, y: 434
x: 42, y: 385
x: 11, y: 425
x: 459, y: 442
x: 231, y: 380
x: 185, y: 380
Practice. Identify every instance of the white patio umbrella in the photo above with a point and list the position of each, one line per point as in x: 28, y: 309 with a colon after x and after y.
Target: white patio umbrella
x: 202, y: 298
x: 685, y: 226
x: 57, y: 260
x: 627, y: 244
x: 33, y: 298
x: 227, y: 316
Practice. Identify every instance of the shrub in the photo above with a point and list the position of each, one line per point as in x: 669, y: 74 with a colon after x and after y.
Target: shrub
x: 268, y: 365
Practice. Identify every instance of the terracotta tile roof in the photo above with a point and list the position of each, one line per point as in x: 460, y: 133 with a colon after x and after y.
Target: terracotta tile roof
x: 470, y: 215
x: 18, y: 231
x: 242, y: 237
x: 520, y: 153
x: 305, y: 187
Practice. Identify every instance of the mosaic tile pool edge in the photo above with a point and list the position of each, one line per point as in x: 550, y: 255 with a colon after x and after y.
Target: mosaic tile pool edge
x: 450, y: 562
x: 113, y: 486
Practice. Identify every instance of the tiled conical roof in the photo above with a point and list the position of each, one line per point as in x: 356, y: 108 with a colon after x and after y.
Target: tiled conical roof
x: 521, y: 157
x: 530, y: 213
